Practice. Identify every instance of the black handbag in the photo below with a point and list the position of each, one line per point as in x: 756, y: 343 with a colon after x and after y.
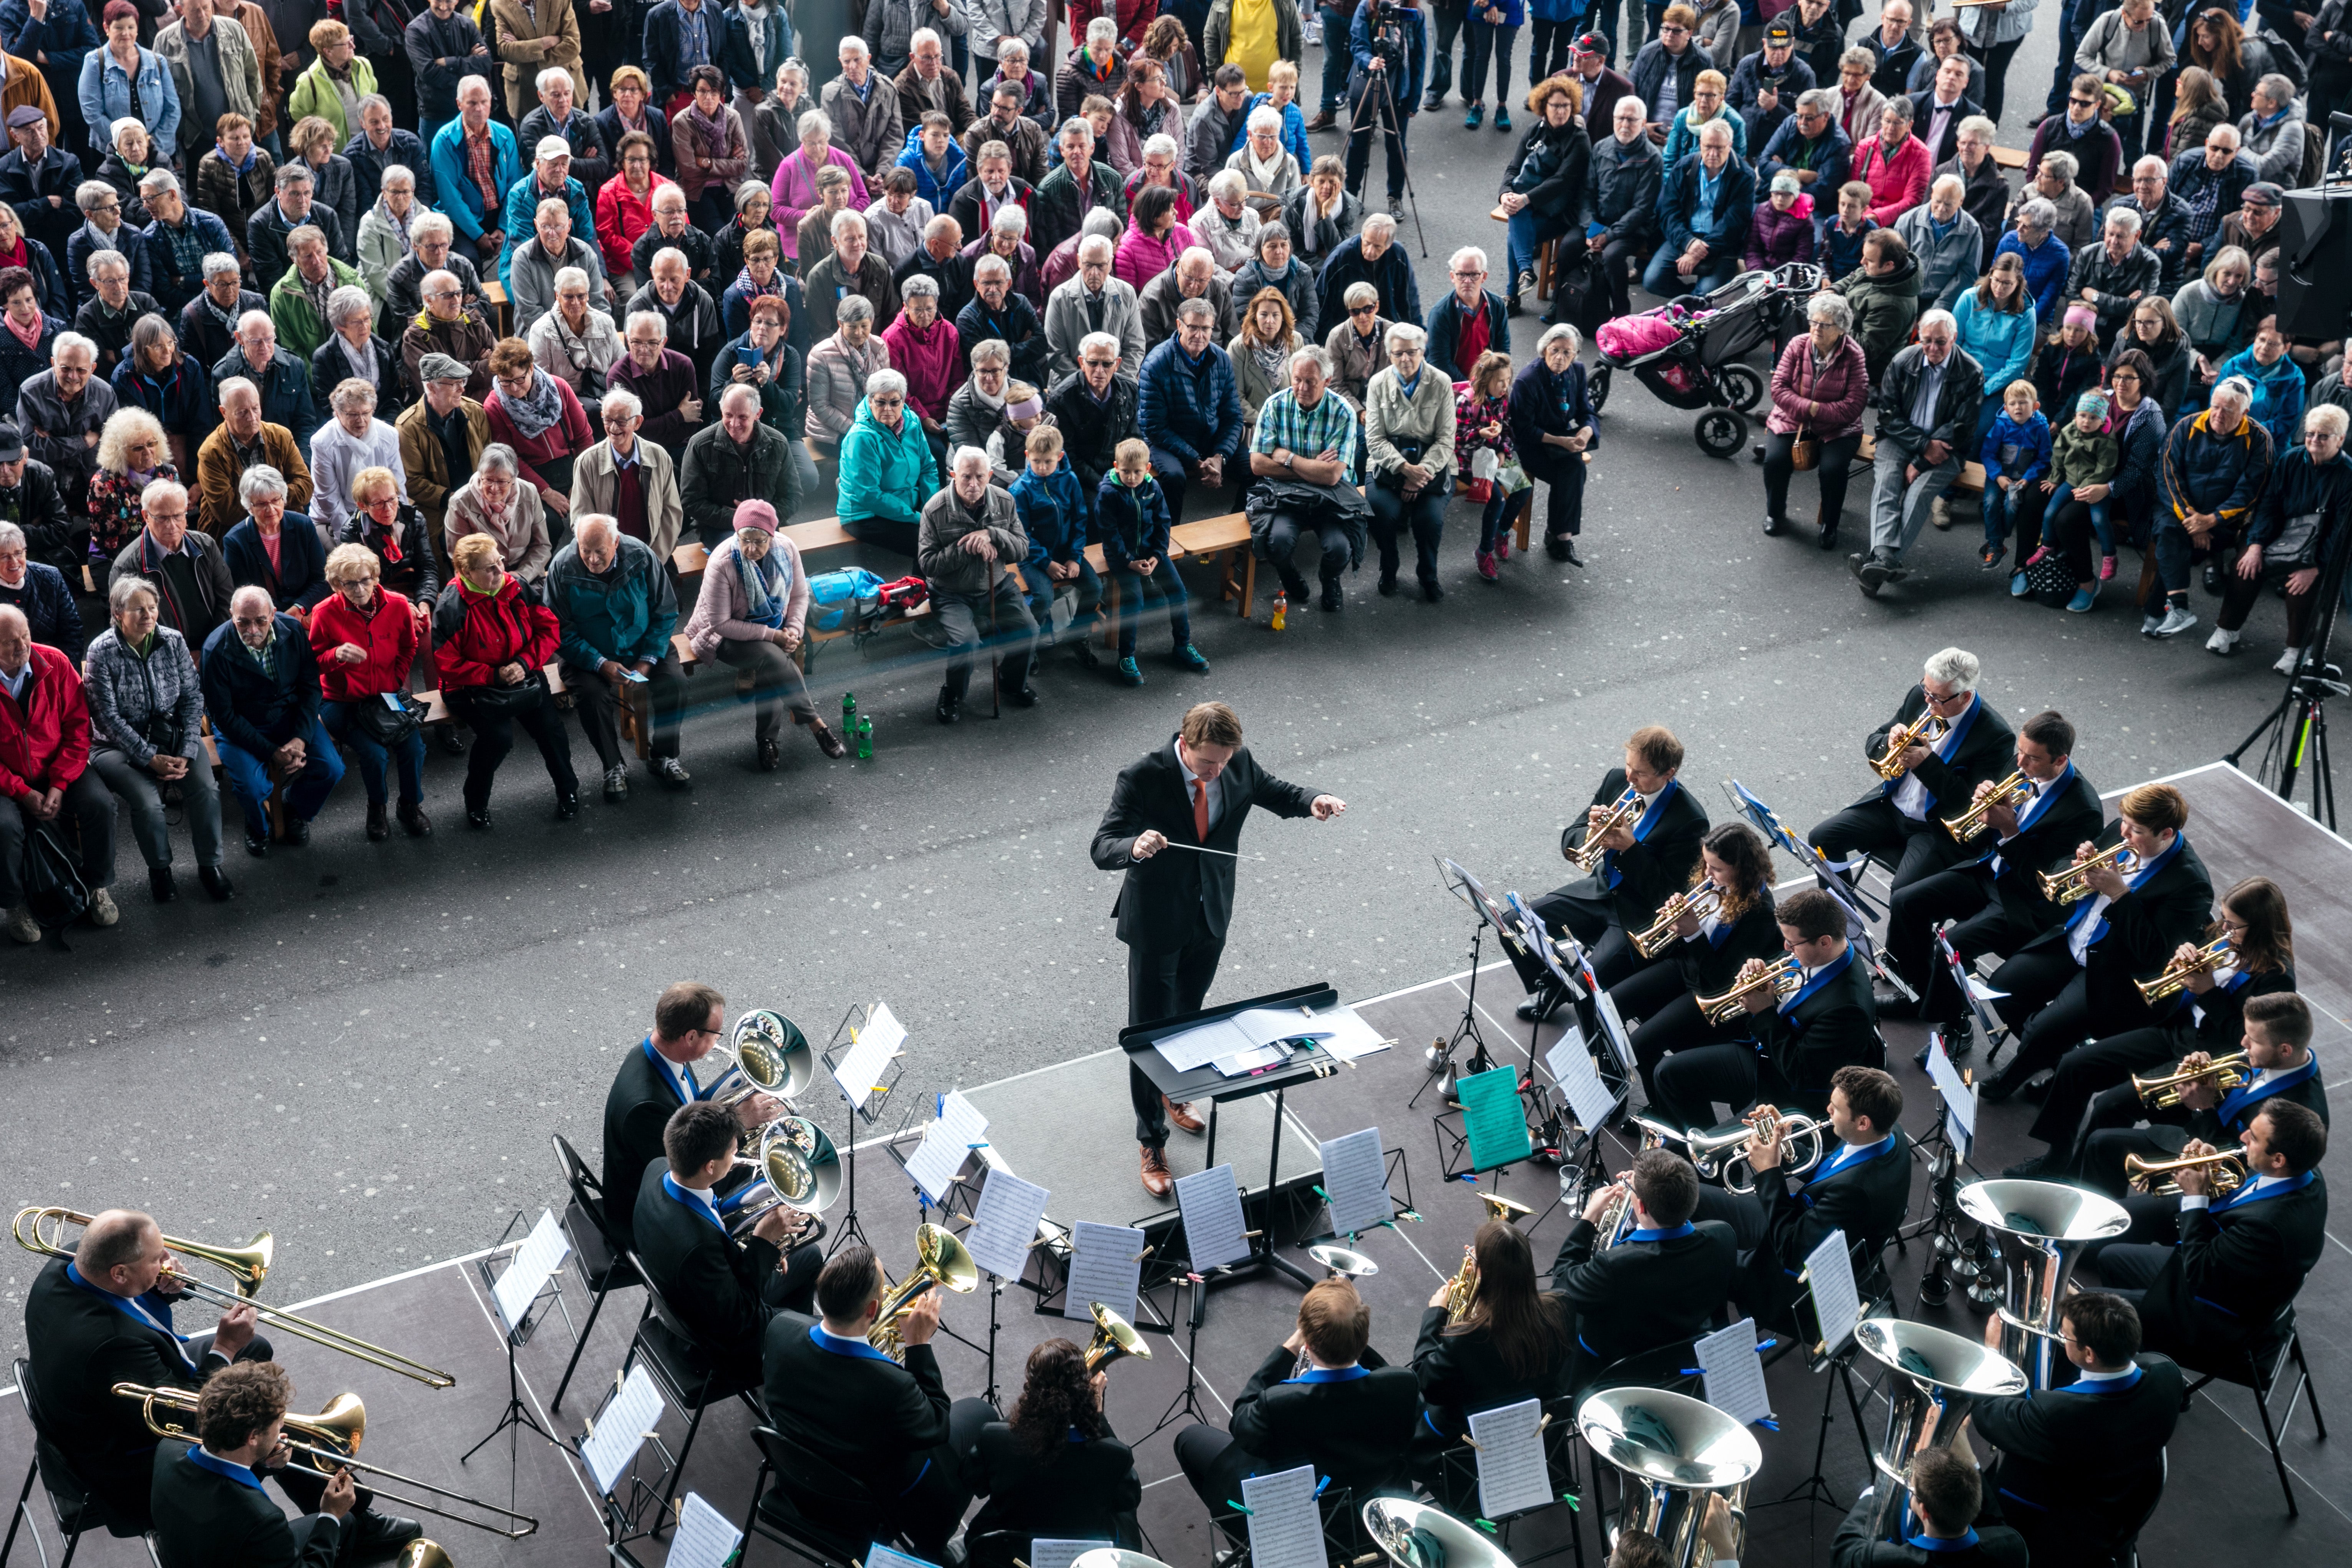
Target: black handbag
x: 384, y: 724
x: 54, y: 892
x: 494, y: 701
x: 2298, y: 543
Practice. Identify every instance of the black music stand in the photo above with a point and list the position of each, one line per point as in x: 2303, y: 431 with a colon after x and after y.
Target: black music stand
x: 1458, y: 881
x: 1945, y: 1156
x: 517, y: 1414
x: 868, y: 1110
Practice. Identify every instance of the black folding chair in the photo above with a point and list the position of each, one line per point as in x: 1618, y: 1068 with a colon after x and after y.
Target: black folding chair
x: 683, y: 1371
x: 853, y: 1517
x: 602, y: 1265
x: 2260, y: 1369
x: 76, y: 1508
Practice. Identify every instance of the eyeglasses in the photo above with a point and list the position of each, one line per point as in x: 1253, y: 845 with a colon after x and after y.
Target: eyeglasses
x: 2081, y: 103
x: 1101, y: 364
x: 442, y: 293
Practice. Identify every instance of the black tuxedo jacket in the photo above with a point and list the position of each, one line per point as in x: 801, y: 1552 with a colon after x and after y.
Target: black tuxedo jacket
x: 2223, y: 1028
x: 1866, y: 1200
x: 206, y: 1520
x: 1835, y: 1027
x: 2071, y: 1464
x: 81, y: 1349
x: 1076, y: 1492
x: 1923, y: 115
x: 1988, y: 750
x: 1998, y: 1546
x: 1707, y: 969
x: 1354, y: 1431
x: 637, y: 1108
x: 1639, y: 1295
x: 2143, y: 928
x: 1656, y: 868
x: 869, y: 1416
x: 2209, y: 1126
x: 2233, y: 1271
x: 1178, y: 898
x: 717, y: 1284
x: 1463, y: 1374
x: 2073, y: 818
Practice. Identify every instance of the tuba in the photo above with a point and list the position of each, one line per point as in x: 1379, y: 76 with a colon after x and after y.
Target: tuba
x: 1586, y: 856
x: 2012, y: 791
x: 421, y: 1554
x: 941, y: 1260
x: 2228, y: 1166
x: 1665, y: 1490
x: 798, y: 1169
x: 1343, y: 1263
x: 2072, y: 883
x: 768, y: 1053
x: 1417, y: 1535
x: 1113, y: 1337
x: 1701, y: 901
x: 2163, y: 1093
x: 1926, y: 1405
x: 1902, y: 739
x: 2176, y: 977
x: 2040, y: 1230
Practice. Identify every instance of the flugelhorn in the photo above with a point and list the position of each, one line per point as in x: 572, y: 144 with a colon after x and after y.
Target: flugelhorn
x: 1888, y: 764
x: 331, y: 1441
x: 2180, y: 971
x: 1113, y: 1337
x: 1798, y: 1131
x: 246, y: 1265
x: 941, y: 1259
x: 2074, y: 883
x: 2010, y: 791
x: 1702, y: 901
x: 1783, y: 975
x: 1586, y: 856
x: 2228, y: 1168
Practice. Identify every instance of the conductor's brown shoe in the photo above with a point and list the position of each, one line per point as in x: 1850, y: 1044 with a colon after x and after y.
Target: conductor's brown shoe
x: 1156, y: 1179
x: 1180, y: 1112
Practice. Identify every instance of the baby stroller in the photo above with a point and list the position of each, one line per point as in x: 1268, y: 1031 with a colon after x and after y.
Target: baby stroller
x: 1691, y: 351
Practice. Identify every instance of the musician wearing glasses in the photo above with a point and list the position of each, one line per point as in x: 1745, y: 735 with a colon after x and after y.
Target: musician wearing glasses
x: 724, y: 1286
x: 2084, y: 1461
x: 210, y: 1509
x: 880, y: 1426
x: 656, y: 1078
x: 1726, y: 919
x: 1807, y: 1015
x: 1639, y: 840
x: 1513, y: 1345
x: 2206, y: 1018
x: 1659, y: 1281
x: 1055, y: 1469
x: 1951, y: 739
x: 1940, y: 1526
x: 2075, y: 981
x: 1992, y: 898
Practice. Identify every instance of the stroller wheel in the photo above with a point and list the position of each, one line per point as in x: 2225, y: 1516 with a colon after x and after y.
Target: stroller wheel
x: 1741, y: 385
x: 1720, y: 432
x: 1597, y: 387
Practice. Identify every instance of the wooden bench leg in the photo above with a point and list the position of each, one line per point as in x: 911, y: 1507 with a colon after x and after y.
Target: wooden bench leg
x: 1543, y: 292
x: 1527, y: 510
x: 275, y: 810
x: 1107, y: 621
x: 636, y: 725
x: 1248, y: 583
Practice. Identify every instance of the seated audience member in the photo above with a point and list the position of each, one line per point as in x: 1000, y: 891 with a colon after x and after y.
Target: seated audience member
x: 853, y: 268
x: 761, y: 358
x: 30, y: 496
x: 624, y: 204
x: 60, y: 408
x: 976, y: 411
x: 1058, y: 518
x: 924, y: 349
x: 153, y: 375
x: 179, y: 238
x: 387, y: 230
x: 1054, y: 1469
x: 449, y: 326
x: 44, y: 772
x: 430, y: 248
x: 493, y: 638
x: 969, y: 533
x: 1939, y: 1523
x: 1093, y: 408
x: 741, y: 458
x: 1708, y: 950
x: 1154, y: 237
x: 497, y: 503
x: 2114, y: 275
x: 131, y: 454
x: 146, y: 713
x: 2313, y: 477
x: 1274, y: 266
x: 186, y: 567
x: 839, y: 371
x: 882, y: 1423
x: 753, y: 614
x: 1704, y: 239
x: 760, y: 276
x: 1409, y: 457
x: 38, y: 589
x: 1188, y: 409
x: 540, y: 418
x: 887, y: 470
x: 1515, y: 1342
x: 208, y: 321
x: 354, y: 439
x: 663, y: 380
x: 940, y: 259
x: 393, y: 527
x: 365, y: 638
x: 1194, y: 275
x: 1946, y: 241
x: 1132, y: 518
x: 815, y: 234
x: 615, y: 609
x: 575, y: 344
x: 274, y: 549
x: 1351, y: 1416
x: 1658, y: 1281
x: 443, y: 436
x: 997, y: 314
x: 298, y: 300
x: 552, y: 248
x: 628, y: 478
x: 894, y: 222
x: 106, y: 316
x: 673, y: 230
x: 262, y: 694
x: 1303, y: 454
x: 475, y: 163
x: 1005, y: 238
x: 243, y: 440
x: 1227, y: 227
x: 1884, y: 293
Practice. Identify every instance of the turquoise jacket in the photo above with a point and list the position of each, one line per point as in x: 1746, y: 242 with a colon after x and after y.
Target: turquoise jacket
x: 2278, y: 396
x: 884, y: 474
x: 1999, y: 341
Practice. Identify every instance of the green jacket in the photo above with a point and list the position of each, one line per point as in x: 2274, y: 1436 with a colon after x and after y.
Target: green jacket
x: 299, y: 330
x: 2076, y: 459
x: 1884, y: 309
x: 314, y: 94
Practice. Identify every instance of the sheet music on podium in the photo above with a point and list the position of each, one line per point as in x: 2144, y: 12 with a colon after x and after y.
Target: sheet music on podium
x: 1960, y: 1097
x: 1837, y: 1300
x: 1106, y: 1264
x: 704, y: 1538
x: 1734, y: 1373
x: 1004, y: 1223
x: 1285, y: 1530
x: 1491, y: 1117
x: 626, y: 1418
x: 533, y: 1263
x: 1338, y: 1030
x: 1512, y: 1475
x: 1045, y: 1552
x: 1210, y: 1205
x: 1356, y: 1182
x: 875, y: 1044
x: 947, y: 1143
x: 1572, y: 1068
x: 1613, y: 1030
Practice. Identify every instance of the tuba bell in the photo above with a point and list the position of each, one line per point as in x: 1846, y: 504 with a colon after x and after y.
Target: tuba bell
x: 2040, y: 1230
x: 1418, y: 1535
x: 1925, y: 1410
x: 941, y: 1260
x: 798, y: 1169
x: 1666, y: 1489
x: 1113, y: 1337
x: 1503, y: 1208
x: 1342, y: 1261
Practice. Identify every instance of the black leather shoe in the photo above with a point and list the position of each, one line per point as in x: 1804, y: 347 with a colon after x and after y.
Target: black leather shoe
x: 1542, y: 1004
x: 453, y: 741
x: 297, y: 831
x: 478, y: 817
x: 2002, y: 1086
x: 1775, y: 527
x: 1023, y: 696
x: 379, y: 825
x: 414, y: 821
x: 1082, y: 654
x: 1828, y: 536
x: 1331, y: 597
x: 1432, y: 591
x: 771, y: 754
x: 567, y: 806
x: 160, y: 883
x: 215, y: 882
x: 258, y: 847
x: 376, y: 1535
x: 1388, y: 585
x: 2038, y: 1168
x: 950, y: 708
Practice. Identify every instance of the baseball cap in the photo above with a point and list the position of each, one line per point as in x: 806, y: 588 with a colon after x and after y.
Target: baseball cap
x: 1779, y: 34
x: 12, y: 446
x: 552, y: 147
x: 1590, y: 44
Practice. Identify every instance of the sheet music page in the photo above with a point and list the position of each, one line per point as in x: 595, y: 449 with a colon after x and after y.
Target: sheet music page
x: 1349, y: 1037
x: 1355, y: 1178
x: 704, y: 1538
x: 1004, y: 1223
x: 1572, y: 1068
x: 1285, y: 1531
x: 542, y: 1253
x: 1210, y: 1205
x: 1491, y: 1117
x: 1203, y: 1043
x: 947, y: 1144
x: 1045, y: 1552
x: 1960, y: 1097
x: 1836, y: 1298
x: 880, y: 1556
x: 1103, y: 1268
x: 1250, y: 1061
x: 1512, y: 1475
x: 1734, y: 1373
x: 860, y: 1071
x: 1612, y: 1028
x: 628, y: 1416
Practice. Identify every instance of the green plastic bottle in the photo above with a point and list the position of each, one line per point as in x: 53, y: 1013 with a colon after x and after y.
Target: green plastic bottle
x: 865, y: 736
x: 848, y: 714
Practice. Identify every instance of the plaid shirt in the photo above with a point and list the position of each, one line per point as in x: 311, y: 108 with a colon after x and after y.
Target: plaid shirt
x: 1329, y: 425
x: 481, y: 167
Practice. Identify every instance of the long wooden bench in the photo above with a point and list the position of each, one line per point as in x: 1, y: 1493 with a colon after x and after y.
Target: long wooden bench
x: 1971, y: 480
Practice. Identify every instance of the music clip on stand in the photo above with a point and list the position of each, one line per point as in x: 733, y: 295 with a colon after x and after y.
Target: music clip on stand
x: 836, y: 1051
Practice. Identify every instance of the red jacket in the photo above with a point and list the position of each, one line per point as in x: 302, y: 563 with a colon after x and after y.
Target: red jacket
x: 1897, y: 183
x: 1134, y: 18
x: 45, y: 739
x: 389, y: 636
x: 474, y: 633
x: 568, y: 437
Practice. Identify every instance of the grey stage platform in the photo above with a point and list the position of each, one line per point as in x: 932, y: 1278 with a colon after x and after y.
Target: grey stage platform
x: 1069, y: 1128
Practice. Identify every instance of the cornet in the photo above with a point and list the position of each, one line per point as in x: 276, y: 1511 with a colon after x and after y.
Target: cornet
x: 2163, y: 1093
x: 1702, y: 901
x: 2074, y: 883
x: 1783, y: 975
x: 1796, y: 1130
x: 2177, y: 975
x: 1586, y: 856
x: 2012, y: 791
x: 2160, y: 1176
x: 1889, y: 765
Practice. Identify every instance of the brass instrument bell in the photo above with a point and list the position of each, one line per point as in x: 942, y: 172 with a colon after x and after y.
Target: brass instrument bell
x: 2228, y: 1168
x: 1113, y: 1337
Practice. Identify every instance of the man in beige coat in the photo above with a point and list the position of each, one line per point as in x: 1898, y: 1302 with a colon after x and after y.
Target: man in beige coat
x: 530, y: 41
x: 596, y: 475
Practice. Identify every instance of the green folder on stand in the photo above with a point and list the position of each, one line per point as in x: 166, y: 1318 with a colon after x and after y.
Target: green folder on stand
x: 1491, y: 1118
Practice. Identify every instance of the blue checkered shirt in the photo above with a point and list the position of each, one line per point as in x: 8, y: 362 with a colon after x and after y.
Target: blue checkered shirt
x: 1331, y: 424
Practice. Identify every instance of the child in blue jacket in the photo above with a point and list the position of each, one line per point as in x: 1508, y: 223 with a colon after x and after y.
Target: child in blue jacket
x: 1131, y: 516
x: 931, y: 152
x: 1052, y: 505
x: 2016, y: 455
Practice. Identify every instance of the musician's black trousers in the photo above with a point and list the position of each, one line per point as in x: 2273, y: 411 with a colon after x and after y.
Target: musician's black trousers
x: 1913, y: 849
x: 2118, y: 1127
x: 1215, y: 1465
x: 1980, y: 925
x: 1592, y: 921
x: 2048, y: 1007
x: 1692, y: 1083
x: 1671, y: 1020
x: 1162, y: 983
x: 2085, y: 1071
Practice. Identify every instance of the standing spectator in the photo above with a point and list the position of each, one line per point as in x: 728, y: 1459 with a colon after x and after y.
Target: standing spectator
x: 1493, y: 31
x: 61, y: 411
x: 177, y: 239
x: 864, y: 108
x: 1927, y: 407
x: 629, y: 110
x: 497, y: 503
x: 531, y: 38
x: 923, y: 83
x: 58, y: 44
x: 738, y: 459
x: 663, y: 379
x: 262, y: 694
x: 122, y: 78
x: 1409, y: 446
x: 1665, y: 70
x: 1993, y: 34
x: 444, y: 48
x: 629, y: 479
x: 493, y: 638
x: 347, y: 445
x: 44, y: 772
x: 1819, y: 388
x: 442, y: 438
x: 752, y: 615
x: 615, y: 609
x: 1095, y: 69
x: 146, y: 731
x: 1385, y: 87
x: 887, y: 468
x: 364, y: 637
x: 2129, y: 48
x: 475, y: 163
x: 275, y: 551
x: 1938, y: 111
x: 241, y: 440
x: 1895, y: 48
x: 155, y: 376
x: 759, y: 48
x: 2215, y: 469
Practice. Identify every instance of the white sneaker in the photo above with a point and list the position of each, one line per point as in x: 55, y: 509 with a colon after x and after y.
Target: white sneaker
x: 2175, y: 621
x: 2289, y: 661
x: 1313, y: 27
x: 102, y: 912
x: 22, y: 925
x: 2221, y: 642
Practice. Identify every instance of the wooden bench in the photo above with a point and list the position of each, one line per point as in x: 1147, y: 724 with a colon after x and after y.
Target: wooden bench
x: 495, y: 293
x: 2010, y: 157
x: 1971, y: 480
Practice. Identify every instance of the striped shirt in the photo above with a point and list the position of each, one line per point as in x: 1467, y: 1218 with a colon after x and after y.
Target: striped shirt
x: 1329, y: 425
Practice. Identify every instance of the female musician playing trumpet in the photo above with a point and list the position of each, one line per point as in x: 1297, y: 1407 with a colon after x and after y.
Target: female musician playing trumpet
x: 2205, y: 1014
x: 1707, y: 945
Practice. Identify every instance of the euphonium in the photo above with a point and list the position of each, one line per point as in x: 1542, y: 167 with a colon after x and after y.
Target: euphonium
x: 1666, y: 1489
x: 2163, y: 1093
x: 2177, y: 975
x: 2010, y: 791
x: 1783, y: 975
x: 767, y: 1052
x: 1701, y: 901
x: 2228, y: 1168
x: 2074, y: 883
x: 1586, y: 856
x: 2039, y: 1231
x: 1503, y: 1208
x: 1887, y: 764
x: 941, y: 1259
x: 1414, y: 1535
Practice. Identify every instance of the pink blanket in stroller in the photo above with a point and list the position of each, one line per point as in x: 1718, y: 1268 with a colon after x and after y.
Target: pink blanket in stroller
x: 1629, y: 337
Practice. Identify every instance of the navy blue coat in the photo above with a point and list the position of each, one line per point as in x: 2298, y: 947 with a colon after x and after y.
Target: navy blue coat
x: 665, y: 25
x: 182, y: 402
x: 1446, y: 320
x: 85, y: 242
x: 249, y: 709
x: 172, y: 288
x: 1735, y: 205
x: 1188, y: 409
x: 301, y: 575
x: 1130, y: 521
x: 1391, y: 274
x: 48, y: 604
x: 368, y: 166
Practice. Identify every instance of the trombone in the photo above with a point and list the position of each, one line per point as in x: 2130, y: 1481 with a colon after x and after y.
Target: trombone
x: 1888, y: 764
x: 1586, y: 856
x: 246, y: 1265
x: 2164, y: 1094
x: 2177, y: 974
x: 1113, y: 1337
x: 2160, y: 1176
x: 331, y: 1441
x: 941, y: 1260
x: 1783, y: 975
x: 1702, y: 901
x: 2074, y: 883
x: 2010, y: 791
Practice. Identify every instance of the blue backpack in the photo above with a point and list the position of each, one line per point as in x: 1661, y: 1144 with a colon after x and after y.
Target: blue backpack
x: 840, y: 599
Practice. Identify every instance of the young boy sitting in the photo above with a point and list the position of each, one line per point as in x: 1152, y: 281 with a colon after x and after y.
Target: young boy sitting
x: 1132, y: 516
x: 1053, y: 507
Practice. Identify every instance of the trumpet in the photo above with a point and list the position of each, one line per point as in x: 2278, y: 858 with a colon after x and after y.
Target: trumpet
x: 1783, y: 975
x: 2177, y: 975
x: 2074, y: 883
x: 331, y: 1441
x: 247, y: 1264
x: 1888, y: 765
x: 2160, y: 1176
x: 1586, y: 856
x: 1702, y: 901
x: 2010, y: 791
x: 1113, y: 1337
x: 941, y: 1260
x: 2163, y: 1093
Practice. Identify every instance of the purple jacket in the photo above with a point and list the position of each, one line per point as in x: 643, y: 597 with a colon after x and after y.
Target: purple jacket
x: 1828, y: 405
x: 1775, y: 238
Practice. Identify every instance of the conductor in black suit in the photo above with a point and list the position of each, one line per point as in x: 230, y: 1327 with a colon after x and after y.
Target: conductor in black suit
x: 1174, y: 909
x: 210, y: 1509
x: 1348, y: 1413
x: 1648, y: 859
x: 657, y: 1076
x: 1660, y: 1283
x: 1939, y: 1527
x: 1898, y: 820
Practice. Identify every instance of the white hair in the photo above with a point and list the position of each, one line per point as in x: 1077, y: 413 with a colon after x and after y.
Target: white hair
x: 651, y: 318
x: 1102, y: 27
x: 625, y: 400
x: 1011, y: 220
x: 74, y: 343
x: 1162, y: 145
x: 727, y: 399
x: 920, y: 37
x: 549, y: 76
x: 400, y: 172
x: 431, y: 223
x: 1471, y: 252
x: 1265, y: 117
x: 815, y: 121
x: 963, y: 454
x: 1381, y: 221
x: 1312, y: 354
x: 2327, y: 416
x: 1954, y: 668
x: 992, y: 266
x: 571, y: 277
x: 1228, y: 182
x: 889, y: 382
x: 1406, y: 333
x: 2235, y: 387
x: 1091, y: 246
x: 1105, y: 341
x: 2129, y: 219
x: 851, y: 44
x: 847, y: 220
x: 219, y: 261
x: 1944, y: 318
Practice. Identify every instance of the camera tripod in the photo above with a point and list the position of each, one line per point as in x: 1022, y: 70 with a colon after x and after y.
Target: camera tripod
x: 2296, y: 728
x: 1391, y: 126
